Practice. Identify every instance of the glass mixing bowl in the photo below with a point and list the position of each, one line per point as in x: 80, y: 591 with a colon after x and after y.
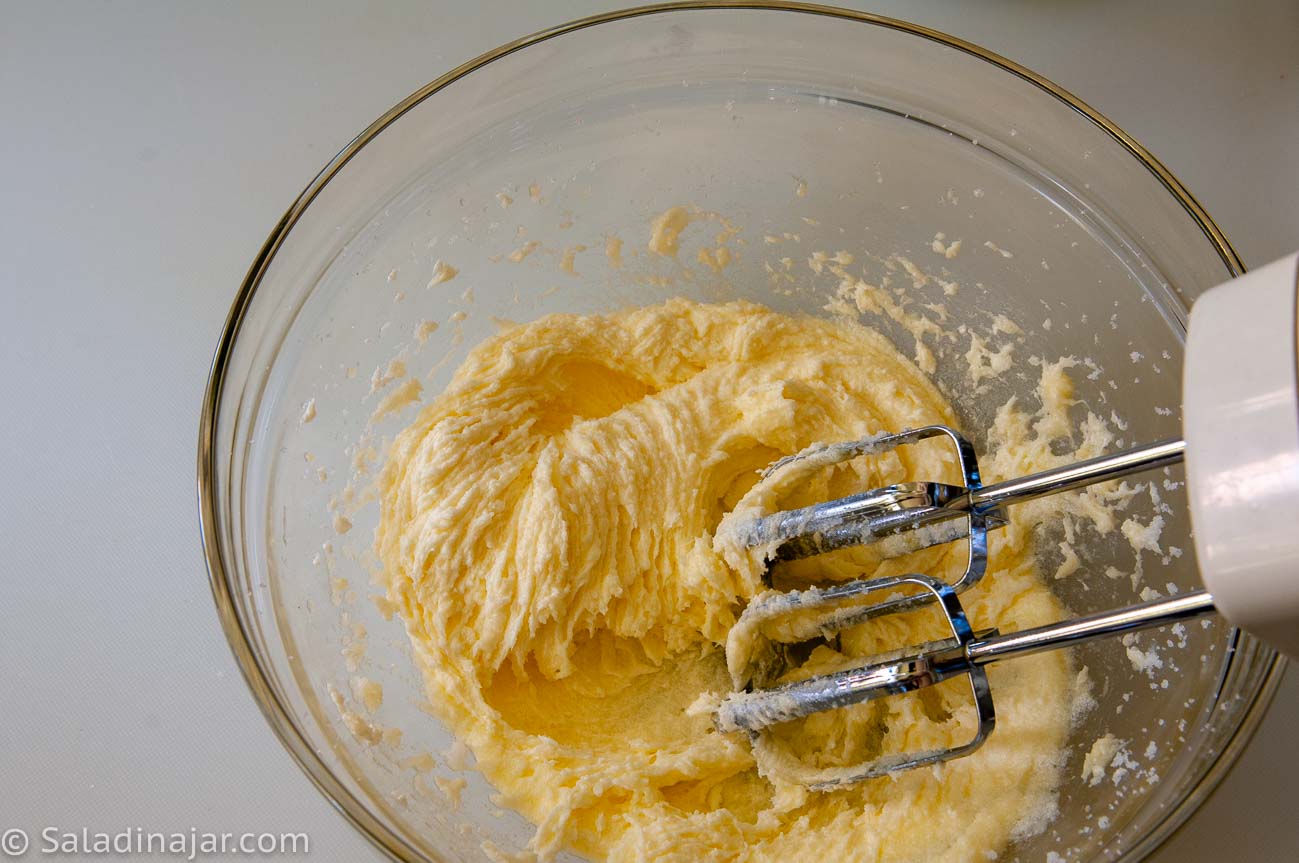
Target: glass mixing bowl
x: 806, y: 128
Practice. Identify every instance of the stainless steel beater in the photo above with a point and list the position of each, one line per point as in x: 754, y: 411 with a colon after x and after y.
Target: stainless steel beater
x: 1241, y: 423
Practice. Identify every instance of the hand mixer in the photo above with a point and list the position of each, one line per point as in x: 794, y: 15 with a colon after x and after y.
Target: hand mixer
x: 1241, y: 427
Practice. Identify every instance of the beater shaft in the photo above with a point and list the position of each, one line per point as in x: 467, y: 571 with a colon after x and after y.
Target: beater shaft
x: 1074, y: 476
x: 1147, y: 615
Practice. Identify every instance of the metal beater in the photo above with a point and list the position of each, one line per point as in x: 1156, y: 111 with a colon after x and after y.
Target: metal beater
x: 1241, y: 419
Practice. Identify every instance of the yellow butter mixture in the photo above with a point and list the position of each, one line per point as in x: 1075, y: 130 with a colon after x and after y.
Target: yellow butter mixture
x: 549, y: 536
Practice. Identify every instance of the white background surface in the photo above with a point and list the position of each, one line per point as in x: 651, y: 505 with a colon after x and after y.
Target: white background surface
x: 148, y: 148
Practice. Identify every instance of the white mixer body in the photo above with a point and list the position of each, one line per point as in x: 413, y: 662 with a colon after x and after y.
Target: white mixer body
x: 1240, y: 407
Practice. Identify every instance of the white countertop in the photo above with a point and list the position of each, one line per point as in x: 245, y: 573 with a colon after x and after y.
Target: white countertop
x: 148, y: 149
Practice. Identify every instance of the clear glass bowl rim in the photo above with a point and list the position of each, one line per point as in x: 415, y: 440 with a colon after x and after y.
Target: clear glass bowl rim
x: 223, y: 588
